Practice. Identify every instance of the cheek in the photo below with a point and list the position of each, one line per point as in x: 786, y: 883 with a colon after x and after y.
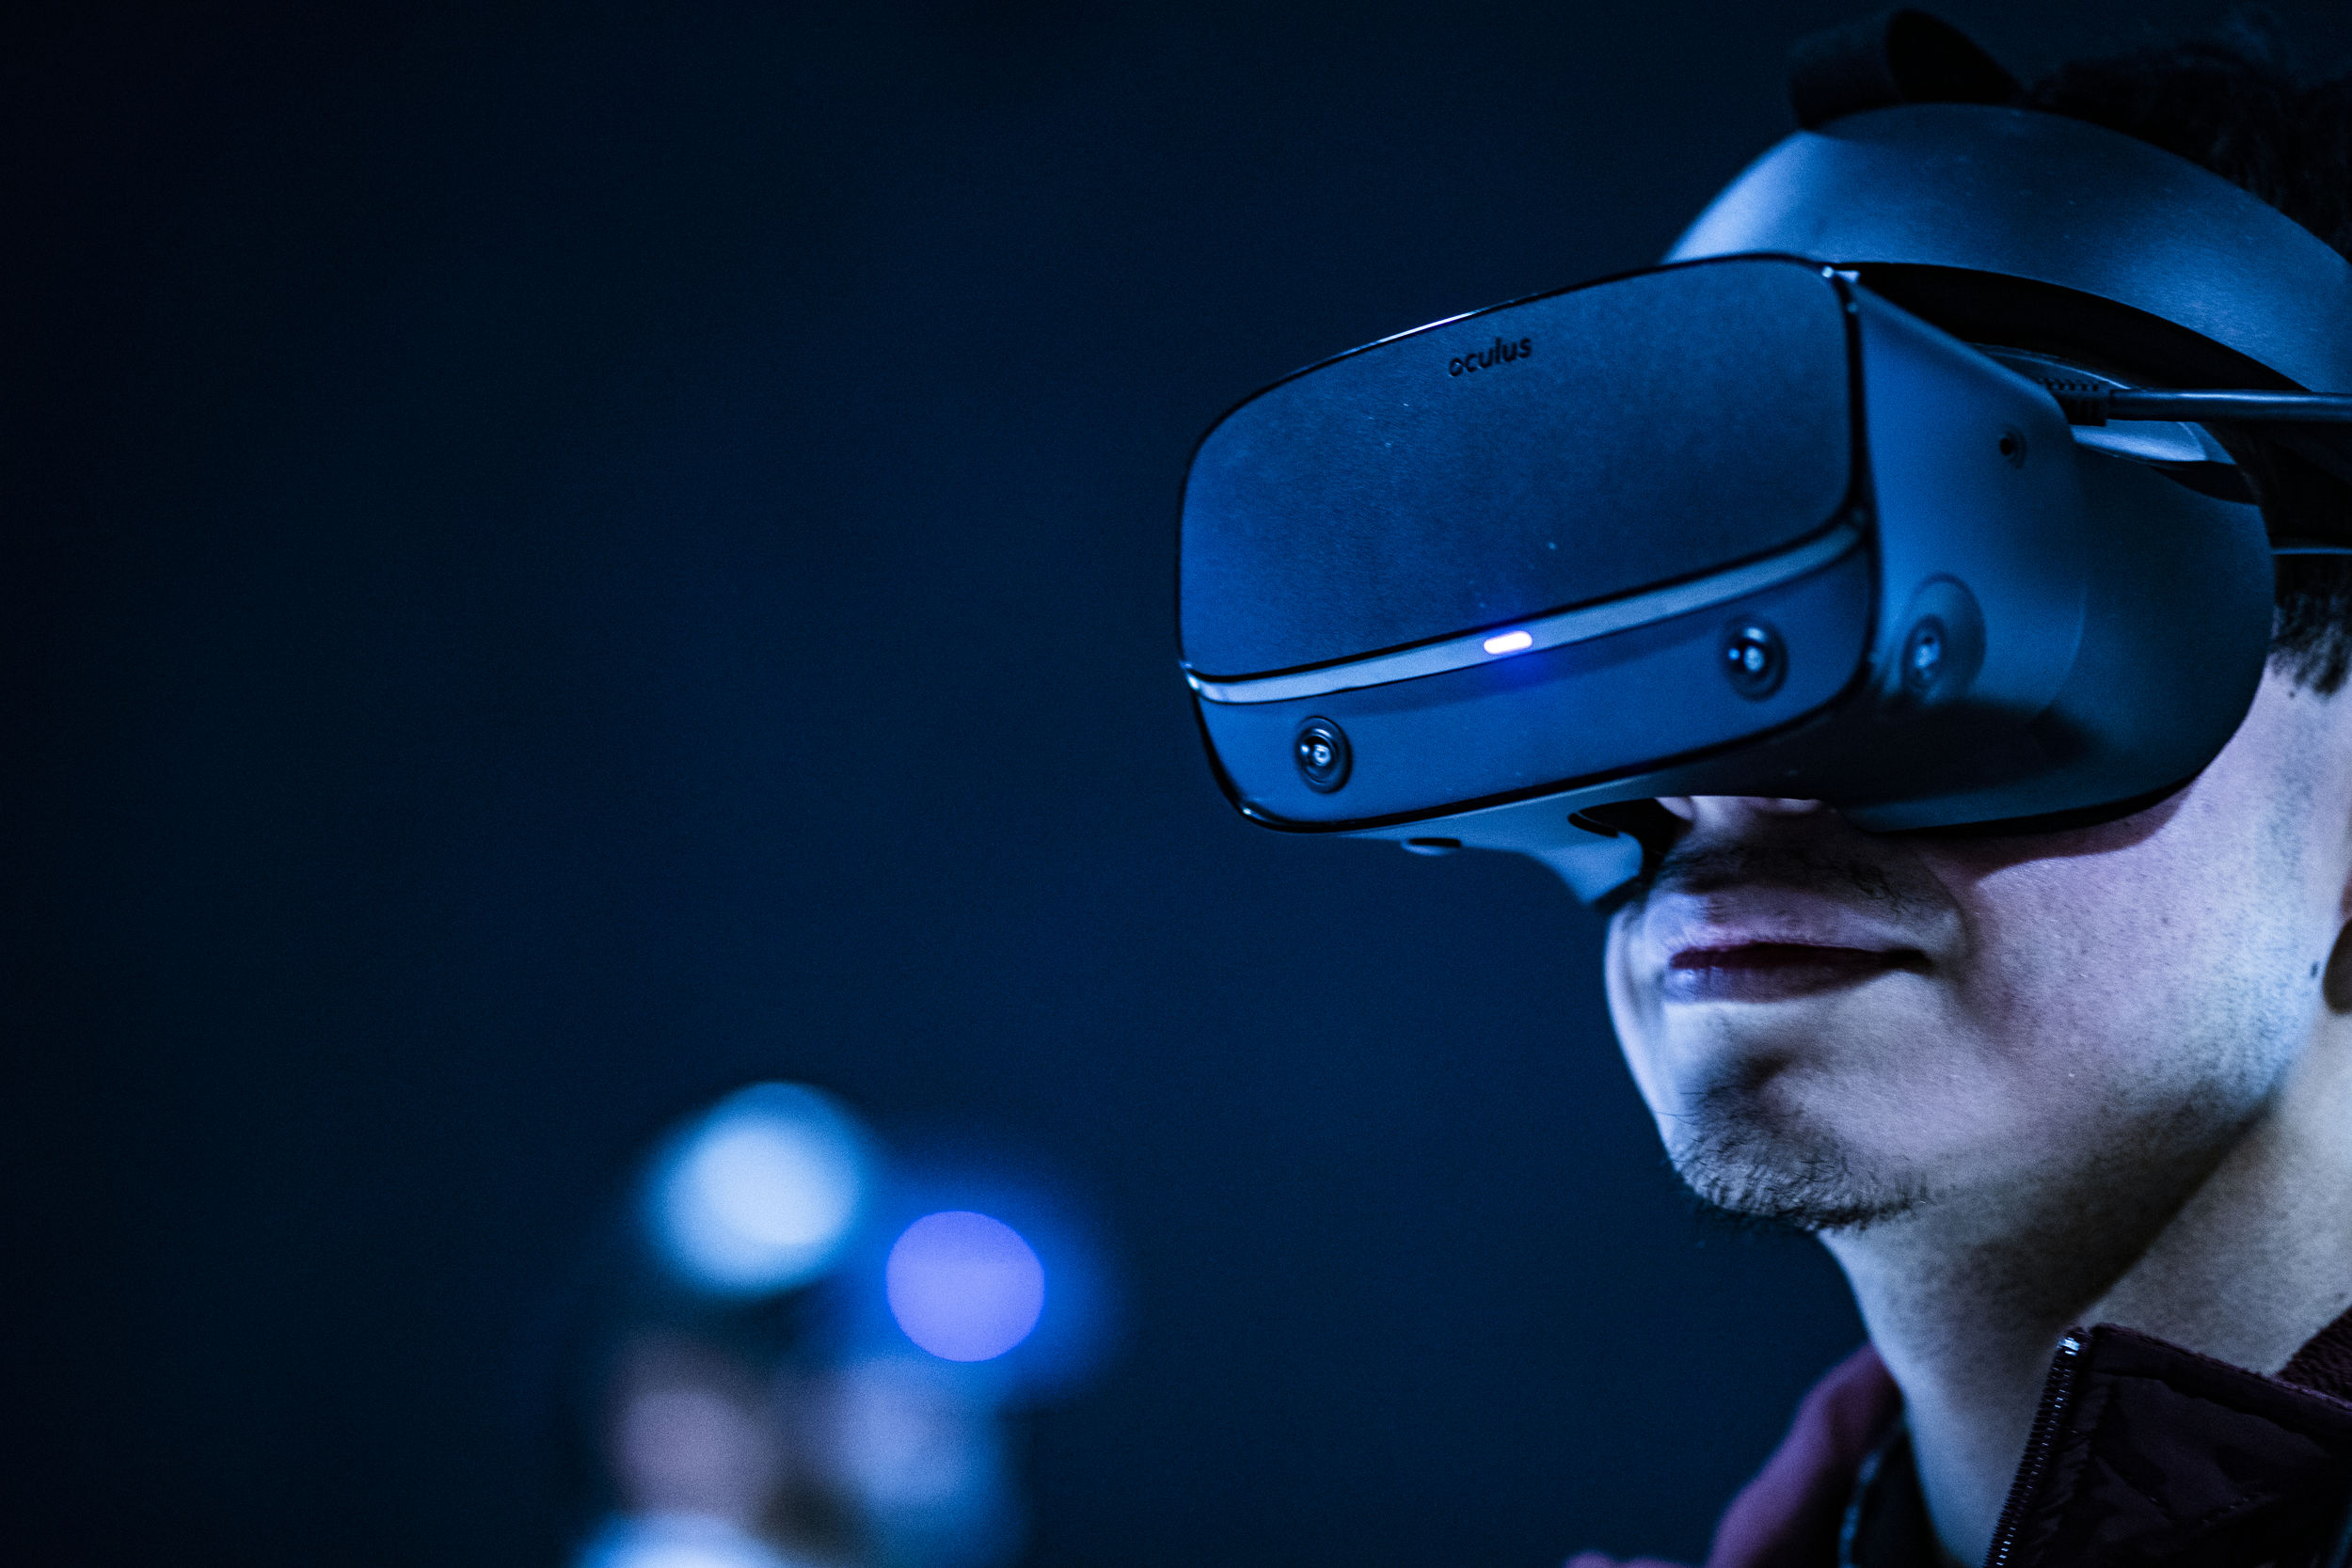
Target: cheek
x: 1634, y: 1009
x: 2122, y: 977
x: 2193, y: 925
x: 2057, y: 961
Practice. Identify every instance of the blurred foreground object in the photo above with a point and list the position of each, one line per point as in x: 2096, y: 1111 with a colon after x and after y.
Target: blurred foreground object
x: 808, y: 1356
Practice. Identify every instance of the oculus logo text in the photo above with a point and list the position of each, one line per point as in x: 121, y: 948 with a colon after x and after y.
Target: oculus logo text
x: 1487, y: 358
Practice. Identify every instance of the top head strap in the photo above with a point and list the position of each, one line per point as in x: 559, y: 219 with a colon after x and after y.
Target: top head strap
x: 1999, y: 223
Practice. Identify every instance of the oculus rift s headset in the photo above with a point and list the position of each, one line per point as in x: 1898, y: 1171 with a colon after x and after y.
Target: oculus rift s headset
x: 1927, y: 477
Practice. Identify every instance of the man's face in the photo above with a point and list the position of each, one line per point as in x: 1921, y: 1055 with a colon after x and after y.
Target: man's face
x: 1835, y: 1028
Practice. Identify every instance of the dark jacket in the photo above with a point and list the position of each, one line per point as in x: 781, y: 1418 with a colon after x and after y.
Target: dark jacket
x: 2142, y: 1454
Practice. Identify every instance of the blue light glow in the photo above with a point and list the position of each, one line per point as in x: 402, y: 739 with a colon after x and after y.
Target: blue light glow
x: 760, y: 1194
x: 964, y: 1287
x: 676, y: 1541
x: 1510, y: 642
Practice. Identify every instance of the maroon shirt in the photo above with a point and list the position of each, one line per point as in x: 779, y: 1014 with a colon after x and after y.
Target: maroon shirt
x: 2143, y: 1453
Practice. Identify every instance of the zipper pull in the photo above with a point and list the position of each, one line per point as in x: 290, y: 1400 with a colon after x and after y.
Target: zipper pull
x: 2056, y: 1389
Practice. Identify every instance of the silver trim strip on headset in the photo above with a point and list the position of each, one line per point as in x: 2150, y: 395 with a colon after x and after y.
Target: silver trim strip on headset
x: 1550, y: 631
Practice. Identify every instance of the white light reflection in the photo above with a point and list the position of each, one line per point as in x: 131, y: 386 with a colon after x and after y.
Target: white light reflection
x: 1509, y: 643
x: 678, y: 1541
x: 762, y: 1193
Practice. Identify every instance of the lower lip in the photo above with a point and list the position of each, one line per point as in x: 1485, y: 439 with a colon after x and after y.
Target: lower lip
x: 1776, y: 972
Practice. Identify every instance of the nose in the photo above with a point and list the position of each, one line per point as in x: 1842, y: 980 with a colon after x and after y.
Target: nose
x: 1723, y: 813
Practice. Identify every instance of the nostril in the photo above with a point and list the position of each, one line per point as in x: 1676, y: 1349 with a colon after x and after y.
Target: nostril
x: 1763, y: 805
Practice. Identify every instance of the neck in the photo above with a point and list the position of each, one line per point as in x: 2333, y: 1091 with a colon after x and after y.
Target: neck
x: 2244, y: 1257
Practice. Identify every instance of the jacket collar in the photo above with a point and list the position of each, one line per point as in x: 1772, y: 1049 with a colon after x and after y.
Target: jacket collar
x: 2144, y: 1452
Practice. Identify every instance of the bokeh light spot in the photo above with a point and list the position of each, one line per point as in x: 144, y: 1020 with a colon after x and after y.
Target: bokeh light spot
x: 760, y: 1196
x: 963, y: 1286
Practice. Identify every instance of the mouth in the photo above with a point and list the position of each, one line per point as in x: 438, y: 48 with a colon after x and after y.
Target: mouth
x: 1779, y: 971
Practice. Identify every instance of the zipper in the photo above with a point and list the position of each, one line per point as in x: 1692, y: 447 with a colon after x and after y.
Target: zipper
x: 2056, y: 1390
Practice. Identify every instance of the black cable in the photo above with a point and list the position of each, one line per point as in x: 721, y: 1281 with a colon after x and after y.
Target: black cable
x: 2325, y: 451
x: 2095, y: 406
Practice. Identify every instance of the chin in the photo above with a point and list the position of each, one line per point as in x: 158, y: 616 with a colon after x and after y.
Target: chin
x: 1782, y: 1130
x: 1765, y: 1165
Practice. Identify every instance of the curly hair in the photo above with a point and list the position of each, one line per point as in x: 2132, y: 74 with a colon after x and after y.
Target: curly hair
x: 2233, y: 103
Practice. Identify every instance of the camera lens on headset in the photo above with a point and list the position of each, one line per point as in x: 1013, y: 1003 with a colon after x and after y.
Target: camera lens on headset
x: 1923, y: 655
x: 1754, y: 658
x: 1322, y: 753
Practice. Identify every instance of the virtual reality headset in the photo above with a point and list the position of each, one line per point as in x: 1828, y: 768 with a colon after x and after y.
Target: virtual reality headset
x: 1938, y: 475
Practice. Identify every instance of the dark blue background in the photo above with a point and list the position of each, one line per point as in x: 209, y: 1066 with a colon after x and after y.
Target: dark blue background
x: 562, y: 559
